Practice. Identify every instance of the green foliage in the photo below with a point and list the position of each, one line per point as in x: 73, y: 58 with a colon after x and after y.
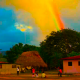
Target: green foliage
x: 59, y: 43
x: 14, y: 52
x: 1, y: 55
x: 2, y: 58
x: 73, y: 54
x: 17, y: 50
x: 27, y: 47
x: 55, y: 59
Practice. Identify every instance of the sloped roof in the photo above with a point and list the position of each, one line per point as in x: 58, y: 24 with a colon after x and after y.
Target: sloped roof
x: 71, y: 58
x: 31, y: 58
x: 1, y: 62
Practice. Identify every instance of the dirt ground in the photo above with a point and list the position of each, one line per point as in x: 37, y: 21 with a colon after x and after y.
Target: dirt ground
x: 29, y: 77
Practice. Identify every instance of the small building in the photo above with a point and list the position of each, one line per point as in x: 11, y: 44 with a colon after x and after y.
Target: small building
x: 71, y: 64
x: 6, y: 68
x: 31, y: 58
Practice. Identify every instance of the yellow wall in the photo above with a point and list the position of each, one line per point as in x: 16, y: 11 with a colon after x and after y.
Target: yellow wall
x: 75, y: 68
x: 7, y: 69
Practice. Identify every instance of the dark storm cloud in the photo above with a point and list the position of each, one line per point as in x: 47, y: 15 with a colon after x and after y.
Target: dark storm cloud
x: 7, y: 18
x: 9, y: 35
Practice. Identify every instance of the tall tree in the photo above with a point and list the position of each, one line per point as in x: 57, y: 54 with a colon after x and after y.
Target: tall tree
x: 61, y: 42
x: 27, y: 47
x: 73, y: 54
x: 17, y: 50
x: 14, y: 52
x: 2, y: 58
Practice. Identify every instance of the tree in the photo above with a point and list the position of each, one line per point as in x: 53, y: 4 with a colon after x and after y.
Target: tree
x: 2, y: 58
x: 27, y: 47
x: 73, y: 54
x: 14, y: 52
x: 61, y: 42
x: 17, y: 50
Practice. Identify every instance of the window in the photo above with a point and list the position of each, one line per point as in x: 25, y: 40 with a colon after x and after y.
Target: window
x: 13, y: 66
x: 69, y: 63
x: 78, y: 63
x: 0, y: 66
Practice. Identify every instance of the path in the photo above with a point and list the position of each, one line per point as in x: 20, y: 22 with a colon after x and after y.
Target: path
x: 29, y: 77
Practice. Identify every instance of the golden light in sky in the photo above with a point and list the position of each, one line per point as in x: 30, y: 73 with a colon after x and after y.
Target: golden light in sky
x: 43, y: 12
x: 23, y: 28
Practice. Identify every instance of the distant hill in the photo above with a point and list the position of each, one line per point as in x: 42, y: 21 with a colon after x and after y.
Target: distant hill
x: 3, y: 52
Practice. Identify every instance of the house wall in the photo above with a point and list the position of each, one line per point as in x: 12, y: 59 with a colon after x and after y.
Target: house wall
x: 75, y: 68
x: 7, y: 69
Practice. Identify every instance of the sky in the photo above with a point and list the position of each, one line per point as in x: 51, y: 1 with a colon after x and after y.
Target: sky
x: 30, y: 21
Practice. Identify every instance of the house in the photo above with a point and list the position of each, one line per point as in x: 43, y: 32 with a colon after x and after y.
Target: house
x: 31, y: 58
x: 7, y: 68
x: 71, y: 64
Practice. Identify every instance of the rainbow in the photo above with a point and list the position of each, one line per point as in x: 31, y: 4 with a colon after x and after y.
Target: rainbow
x: 56, y: 17
x: 50, y: 21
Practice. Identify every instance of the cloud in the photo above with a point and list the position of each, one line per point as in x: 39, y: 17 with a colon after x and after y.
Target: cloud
x: 9, y: 38
x: 23, y: 27
x: 17, y: 36
x: 37, y: 14
x: 9, y: 35
x: 71, y: 13
x: 6, y: 45
x: 7, y: 18
x: 42, y: 11
x: 69, y: 23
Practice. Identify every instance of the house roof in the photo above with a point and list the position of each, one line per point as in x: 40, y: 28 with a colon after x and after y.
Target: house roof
x: 71, y: 58
x: 1, y: 62
x: 31, y: 58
